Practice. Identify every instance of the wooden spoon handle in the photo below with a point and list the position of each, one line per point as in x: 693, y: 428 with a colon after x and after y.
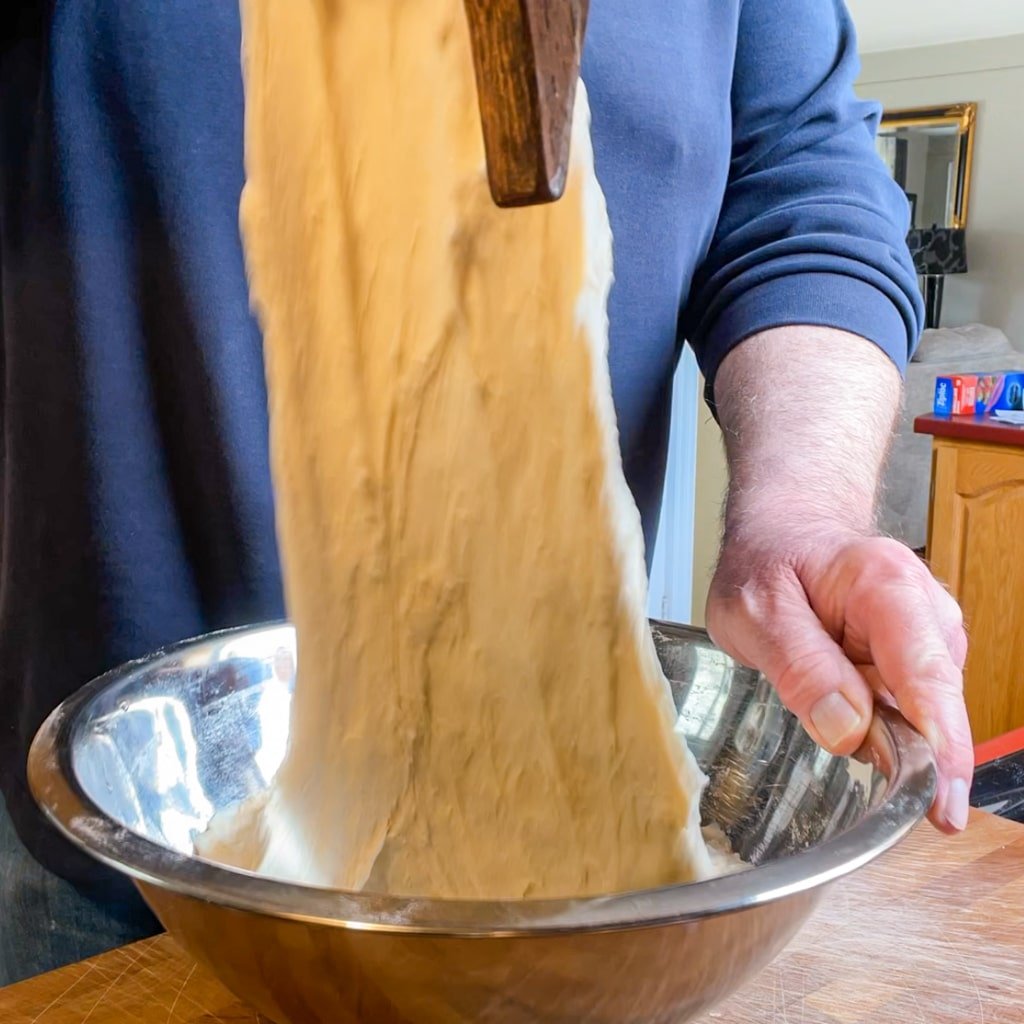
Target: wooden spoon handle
x: 527, y: 59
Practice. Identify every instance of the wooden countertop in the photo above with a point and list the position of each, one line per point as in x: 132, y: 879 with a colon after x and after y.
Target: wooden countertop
x: 933, y: 933
x: 970, y: 428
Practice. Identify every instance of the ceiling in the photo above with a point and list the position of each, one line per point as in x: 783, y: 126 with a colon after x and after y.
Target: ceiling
x: 929, y: 22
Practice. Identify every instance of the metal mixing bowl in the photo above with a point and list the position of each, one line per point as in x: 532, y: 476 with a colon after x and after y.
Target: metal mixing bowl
x: 135, y: 764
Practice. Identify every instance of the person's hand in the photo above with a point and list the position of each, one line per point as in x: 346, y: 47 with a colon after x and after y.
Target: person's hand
x: 837, y: 620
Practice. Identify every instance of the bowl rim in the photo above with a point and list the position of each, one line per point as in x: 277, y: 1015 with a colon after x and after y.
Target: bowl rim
x: 909, y: 792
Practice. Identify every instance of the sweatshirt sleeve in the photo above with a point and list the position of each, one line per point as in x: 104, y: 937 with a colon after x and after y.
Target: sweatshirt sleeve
x: 812, y: 228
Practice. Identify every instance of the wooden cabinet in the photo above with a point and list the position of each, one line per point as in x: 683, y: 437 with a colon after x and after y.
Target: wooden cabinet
x: 976, y: 547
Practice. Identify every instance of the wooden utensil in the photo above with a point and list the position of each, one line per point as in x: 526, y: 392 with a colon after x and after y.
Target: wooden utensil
x: 527, y: 59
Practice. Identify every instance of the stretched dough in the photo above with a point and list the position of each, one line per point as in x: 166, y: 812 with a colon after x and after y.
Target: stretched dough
x: 479, y: 710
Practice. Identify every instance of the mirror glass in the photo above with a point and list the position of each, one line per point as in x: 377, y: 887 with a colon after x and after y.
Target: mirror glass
x: 928, y: 153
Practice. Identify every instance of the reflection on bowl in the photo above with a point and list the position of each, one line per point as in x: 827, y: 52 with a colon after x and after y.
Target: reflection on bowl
x: 134, y: 766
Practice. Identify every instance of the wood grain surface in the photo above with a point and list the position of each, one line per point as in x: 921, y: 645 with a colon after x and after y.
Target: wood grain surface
x: 931, y: 934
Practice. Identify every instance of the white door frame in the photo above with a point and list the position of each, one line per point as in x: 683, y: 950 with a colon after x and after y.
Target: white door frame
x: 670, y: 595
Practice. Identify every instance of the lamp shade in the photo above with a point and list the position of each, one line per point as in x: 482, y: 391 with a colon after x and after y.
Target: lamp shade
x: 938, y: 251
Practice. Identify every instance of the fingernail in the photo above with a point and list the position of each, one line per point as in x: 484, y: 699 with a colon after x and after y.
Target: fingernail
x: 958, y: 804
x: 835, y: 719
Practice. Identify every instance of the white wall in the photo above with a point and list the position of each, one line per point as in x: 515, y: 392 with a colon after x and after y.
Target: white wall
x: 990, y: 72
x: 898, y: 24
x: 710, y: 491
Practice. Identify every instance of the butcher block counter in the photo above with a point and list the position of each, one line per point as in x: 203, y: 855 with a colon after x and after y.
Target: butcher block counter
x: 933, y: 933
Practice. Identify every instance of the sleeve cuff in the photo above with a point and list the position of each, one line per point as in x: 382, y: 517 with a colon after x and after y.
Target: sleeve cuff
x: 816, y: 299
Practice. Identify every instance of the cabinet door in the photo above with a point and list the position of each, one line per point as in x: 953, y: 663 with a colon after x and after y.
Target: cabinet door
x: 976, y: 546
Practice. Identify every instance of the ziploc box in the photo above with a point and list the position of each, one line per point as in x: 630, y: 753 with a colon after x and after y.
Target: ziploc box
x: 955, y: 395
x: 999, y: 391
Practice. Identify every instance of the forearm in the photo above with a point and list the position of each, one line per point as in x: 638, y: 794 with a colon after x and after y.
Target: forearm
x: 836, y: 618
x: 807, y: 414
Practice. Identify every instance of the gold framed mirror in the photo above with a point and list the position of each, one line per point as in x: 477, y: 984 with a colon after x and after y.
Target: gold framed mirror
x: 929, y: 151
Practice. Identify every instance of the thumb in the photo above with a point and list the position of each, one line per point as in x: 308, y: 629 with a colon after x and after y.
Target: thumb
x: 809, y: 670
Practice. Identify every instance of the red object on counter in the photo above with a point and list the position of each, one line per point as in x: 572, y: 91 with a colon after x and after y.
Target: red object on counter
x: 999, y: 746
x: 971, y: 428
x: 964, y: 389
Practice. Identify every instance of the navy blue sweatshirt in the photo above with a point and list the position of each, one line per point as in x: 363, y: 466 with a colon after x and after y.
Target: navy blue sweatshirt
x: 744, y: 193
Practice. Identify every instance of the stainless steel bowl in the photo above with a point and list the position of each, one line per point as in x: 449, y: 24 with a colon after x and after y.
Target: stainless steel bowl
x: 135, y: 764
